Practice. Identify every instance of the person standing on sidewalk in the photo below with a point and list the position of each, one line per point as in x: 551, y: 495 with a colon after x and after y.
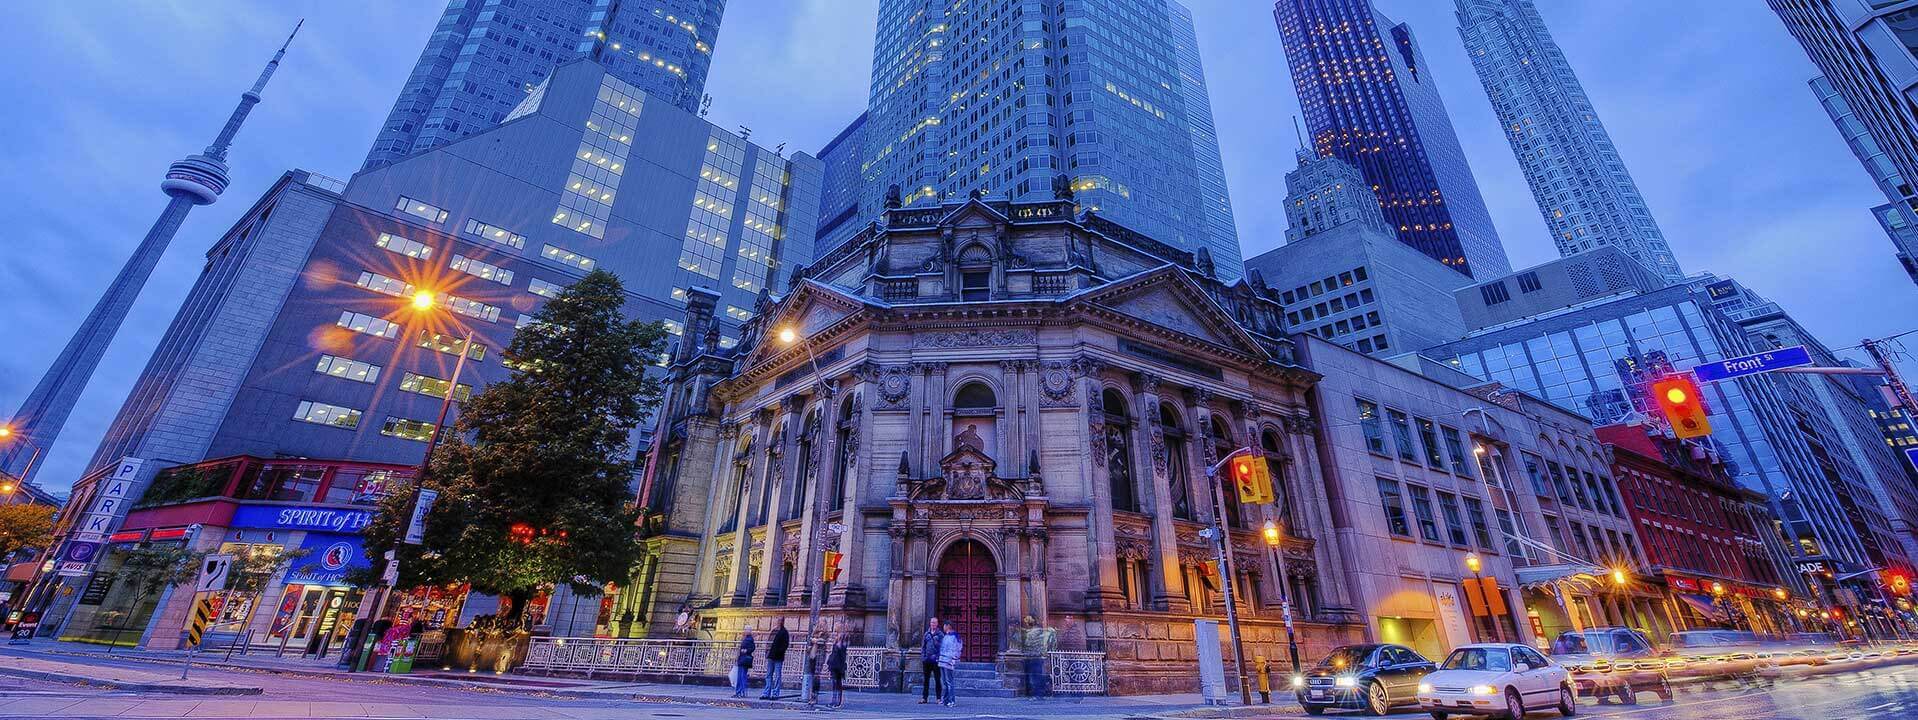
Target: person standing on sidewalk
x: 949, y: 649
x: 929, y: 662
x: 836, y: 664
x: 776, y: 662
x: 743, y: 666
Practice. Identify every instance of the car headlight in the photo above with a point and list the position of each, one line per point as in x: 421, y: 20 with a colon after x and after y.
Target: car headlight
x: 1298, y: 681
x: 1345, y: 681
x: 1425, y: 688
x: 1484, y: 690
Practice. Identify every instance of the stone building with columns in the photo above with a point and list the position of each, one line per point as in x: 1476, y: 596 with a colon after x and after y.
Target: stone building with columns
x: 991, y: 409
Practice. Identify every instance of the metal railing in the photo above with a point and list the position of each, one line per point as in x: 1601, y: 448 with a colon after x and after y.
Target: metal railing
x: 1077, y: 672
x: 1071, y: 672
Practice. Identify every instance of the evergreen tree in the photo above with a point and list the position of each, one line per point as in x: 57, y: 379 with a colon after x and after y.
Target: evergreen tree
x: 535, y: 489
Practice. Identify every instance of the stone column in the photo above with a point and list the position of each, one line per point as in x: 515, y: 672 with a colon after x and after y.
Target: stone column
x: 1165, y: 542
x: 1102, y: 548
x: 850, y: 590
x: 760, y: 463
x: 1312, y: 510
x: 780, y: 484
x: 811, y: 518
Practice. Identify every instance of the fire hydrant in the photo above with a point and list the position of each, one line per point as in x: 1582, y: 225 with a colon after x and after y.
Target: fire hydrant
x: 1265, y: 680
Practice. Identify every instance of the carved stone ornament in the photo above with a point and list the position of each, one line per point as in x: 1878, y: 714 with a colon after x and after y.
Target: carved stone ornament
x: 1055, y: 384
x: 789, y: 549
x: 974, y: 338
x: 1158, y: 451
x: 1134, y: 551
x: 895, y: 382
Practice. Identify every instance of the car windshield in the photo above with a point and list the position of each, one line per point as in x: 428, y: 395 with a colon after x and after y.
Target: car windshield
x: 1576, y: 642
x: 1478, y: 658
x: 1346, y: 657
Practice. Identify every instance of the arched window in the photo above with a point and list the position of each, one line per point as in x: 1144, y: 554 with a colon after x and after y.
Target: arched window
x: 806, y: 467
x: 843, y: 460
x: 735, y: 491
x: 1177, y: 466
x: 1281, y: 486
x: 1118, y: 459
x: 1222, y: 446
x: 975, y: 412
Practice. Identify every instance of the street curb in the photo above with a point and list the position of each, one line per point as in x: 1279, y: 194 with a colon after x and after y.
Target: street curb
x: 135, y: 687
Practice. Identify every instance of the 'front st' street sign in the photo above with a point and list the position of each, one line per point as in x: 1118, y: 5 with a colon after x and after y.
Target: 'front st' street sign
x: 1764, y: 362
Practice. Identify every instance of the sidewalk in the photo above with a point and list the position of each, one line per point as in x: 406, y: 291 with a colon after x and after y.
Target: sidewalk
x: 79, y: 662
x: 157, y: 680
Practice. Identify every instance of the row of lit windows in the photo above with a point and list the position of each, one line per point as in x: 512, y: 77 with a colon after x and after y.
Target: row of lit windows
x: 348, y: 368
x: 482, y: 270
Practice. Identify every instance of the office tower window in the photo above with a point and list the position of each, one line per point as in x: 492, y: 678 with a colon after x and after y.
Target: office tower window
x: 568, y: 257
x: 1510, y: 532
x: 1528, y: 282
x: 348, y: 368
x: 1454, y: 525
x: 1369, y: 423
x: 1475, y: 513
x: 471, y: 308
x: 1494, y: 292
x: 704, y: 248
x: 587, y: 199
x: 1428, y: 436
x: 1422, y: 509
x: 368, y: 324
x: 761, y: 236
x: 433, y: 387
x: 324, y: 414
x: 543, y: 289
x: 451, y: 345
x: 482, y: 270
x: 495, y: 234
x: 1455, y: 451
x: 404, y: 428
x: 1394, y: 505
x: 403, y: 246
x: 738, y: 313
x: 1402, y: 435
x: 424, y: 211
x: 383, y: 284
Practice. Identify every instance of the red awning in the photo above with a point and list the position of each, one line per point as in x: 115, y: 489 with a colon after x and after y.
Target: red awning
x: 22, y: 571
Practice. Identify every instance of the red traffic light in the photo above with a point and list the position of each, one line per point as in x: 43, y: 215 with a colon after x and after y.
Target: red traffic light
x: 1678, y: 397
x: 830, y: 571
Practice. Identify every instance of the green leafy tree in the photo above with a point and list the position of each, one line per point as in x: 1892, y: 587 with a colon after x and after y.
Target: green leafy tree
x: 146, y: 569
x: 25, y: 526
x: 535, y: 488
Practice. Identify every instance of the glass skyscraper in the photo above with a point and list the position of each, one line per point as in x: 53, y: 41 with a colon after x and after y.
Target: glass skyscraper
x: 1897, y: 217
x: 1004, y: 97
x: 1583, y: 191
x: 1369, y: 99
x: 486, y: 55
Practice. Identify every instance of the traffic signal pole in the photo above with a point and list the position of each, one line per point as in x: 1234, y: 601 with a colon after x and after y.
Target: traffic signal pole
x: 1224, y: 539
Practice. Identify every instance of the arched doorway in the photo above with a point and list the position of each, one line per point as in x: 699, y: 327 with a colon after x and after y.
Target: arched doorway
x: 968, y: 597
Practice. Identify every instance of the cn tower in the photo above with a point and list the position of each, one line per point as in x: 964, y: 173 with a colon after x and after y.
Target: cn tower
x: 196, y: 180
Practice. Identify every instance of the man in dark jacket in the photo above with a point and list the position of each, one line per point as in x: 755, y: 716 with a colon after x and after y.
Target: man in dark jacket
x: 776, y: 661
x: 929, y: 661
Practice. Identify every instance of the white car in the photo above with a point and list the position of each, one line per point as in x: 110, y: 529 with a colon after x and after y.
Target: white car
x: 1496, y: 679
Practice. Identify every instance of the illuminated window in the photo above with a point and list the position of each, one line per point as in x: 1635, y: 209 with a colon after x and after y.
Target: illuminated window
x: 451, y: 345
x: 543, y: 289
x: 400, y: 427
x: 495, y: 234
x: 471, y: 308
x: 586, y: 202
x: 403, y: 246
x: 482, y: 270
x: 568, y: 257
x: 383, y: 284
x: 324, y: 414
x: 348, y: 368
x: 368, y: 324
x: 433, y: 387
x: 423, y: 211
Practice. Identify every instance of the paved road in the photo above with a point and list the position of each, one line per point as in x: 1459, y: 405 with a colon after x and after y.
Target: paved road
x: 1871, y: 694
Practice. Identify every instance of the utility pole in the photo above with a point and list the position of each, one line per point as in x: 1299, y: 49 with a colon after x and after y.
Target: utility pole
x: 1898, y: 388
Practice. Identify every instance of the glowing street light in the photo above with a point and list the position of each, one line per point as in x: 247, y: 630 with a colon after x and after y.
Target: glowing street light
x: 424, y: 300
x: 815, y: 542
x: 1618, y: 577
x: 1472, y: 563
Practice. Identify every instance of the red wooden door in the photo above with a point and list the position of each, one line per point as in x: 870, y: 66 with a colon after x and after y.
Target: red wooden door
x: 968, y: 597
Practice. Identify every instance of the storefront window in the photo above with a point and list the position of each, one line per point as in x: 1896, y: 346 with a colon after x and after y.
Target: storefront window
x: 293, y: 483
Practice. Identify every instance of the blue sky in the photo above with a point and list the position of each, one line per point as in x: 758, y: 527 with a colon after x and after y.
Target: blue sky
x: 1706, y: 101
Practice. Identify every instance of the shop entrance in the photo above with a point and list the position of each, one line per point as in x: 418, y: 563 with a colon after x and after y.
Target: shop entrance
x: 314, y: 618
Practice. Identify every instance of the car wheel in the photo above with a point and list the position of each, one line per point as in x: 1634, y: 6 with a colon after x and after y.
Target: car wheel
x: 1568, y: 705
x: 1514, y: 705
x: 1376, y: 701
x: 1438, y: 716
x: 1314, y: 709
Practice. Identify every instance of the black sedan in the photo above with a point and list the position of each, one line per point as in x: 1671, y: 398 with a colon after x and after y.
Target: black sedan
x: 1373, y: 678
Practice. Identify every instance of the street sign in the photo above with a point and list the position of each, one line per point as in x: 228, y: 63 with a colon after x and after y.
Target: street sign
x: 416, y: 527
x: 1911, y: 455
x: 213, y: 573
x: 197, y: 621
x: 77, y: 556
x: 1776, y: 359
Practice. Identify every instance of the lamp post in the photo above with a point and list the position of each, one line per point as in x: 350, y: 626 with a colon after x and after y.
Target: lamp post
x: 814, y: 539
x: 1273, y: 538
x: 1222, y: 534
x: 421, y: 302
x: 1475, y: 565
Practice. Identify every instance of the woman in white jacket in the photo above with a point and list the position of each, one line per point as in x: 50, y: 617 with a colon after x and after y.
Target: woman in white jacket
x: 949, y: 649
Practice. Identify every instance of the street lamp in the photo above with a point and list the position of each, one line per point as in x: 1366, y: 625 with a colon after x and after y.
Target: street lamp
x: 1474, y: 564
x: 1619, y: 578
x: 1719, y: 599
x: 1273, y: 538
x: 814, y: 541
x: 11, y: 483
x: 422, y: 302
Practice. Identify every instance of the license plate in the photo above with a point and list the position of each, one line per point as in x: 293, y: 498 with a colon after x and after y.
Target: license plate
x: 1317, y: 694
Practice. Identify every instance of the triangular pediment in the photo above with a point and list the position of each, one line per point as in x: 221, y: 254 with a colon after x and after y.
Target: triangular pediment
x: 808, y: 310
x: 1167, y: 298
x: 975, y: 213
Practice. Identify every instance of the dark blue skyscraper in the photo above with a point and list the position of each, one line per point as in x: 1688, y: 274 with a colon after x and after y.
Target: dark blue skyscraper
x: 1369, y: 99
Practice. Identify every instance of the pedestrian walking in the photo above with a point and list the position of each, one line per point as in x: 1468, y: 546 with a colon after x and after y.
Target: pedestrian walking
x: 929, y: 662
x: 776, y: 662
x: 836, y: 664
x: 949, y: 649
x: 1036, y: 642
x: 743, y: 666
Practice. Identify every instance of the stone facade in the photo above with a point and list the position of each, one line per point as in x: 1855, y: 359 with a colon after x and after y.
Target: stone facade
x: 992, y: 410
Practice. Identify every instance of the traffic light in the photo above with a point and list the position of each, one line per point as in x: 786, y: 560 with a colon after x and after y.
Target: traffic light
x: 831, y: 569
x: 1684, y: 406
x: 1253, y: 478
x: 1900, y: 585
